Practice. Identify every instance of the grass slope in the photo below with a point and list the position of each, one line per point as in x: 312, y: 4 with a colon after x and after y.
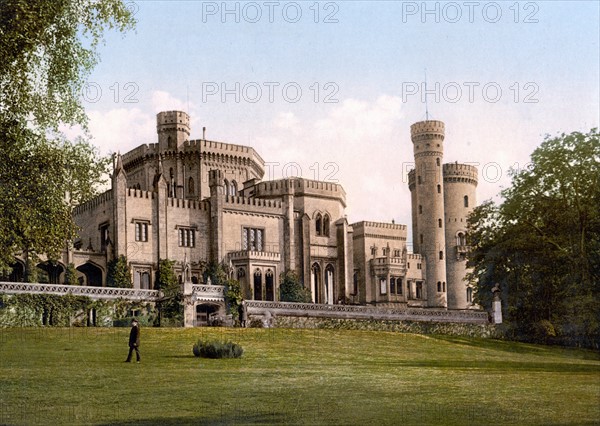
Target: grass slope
x: 77, y: 375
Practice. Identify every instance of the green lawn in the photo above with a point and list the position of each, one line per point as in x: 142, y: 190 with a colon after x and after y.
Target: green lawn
x: 77, y: 375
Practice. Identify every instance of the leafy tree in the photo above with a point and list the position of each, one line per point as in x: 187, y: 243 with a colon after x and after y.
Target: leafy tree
x: 542, y: 244
x: 233, y: 296
x: 47, y: 49
x: 71, y: 274
x: 291, y: 289
x: 218, y: 273
x: 170, y: 306
x: 119, y: 273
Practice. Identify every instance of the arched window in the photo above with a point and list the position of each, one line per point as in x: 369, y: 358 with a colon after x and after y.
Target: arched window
x: 461, y: 240
x: 393, y: 285
x: 439, y: 188
x: 329, y: 284
x: 469, y: 295
x: 439, y: 286
x: 444, y: 286
x: 466, y: 200
x: 269, y: 286
x: 241, y: 273
x: 226, y: 185
x: 326, y: 225
x: 315, y: 280
x: 441, y: 255
x: 439, y: 223
x: 191, y: 188
x: 233, y: 188
x: 257, y: 284
x: 319, y: 224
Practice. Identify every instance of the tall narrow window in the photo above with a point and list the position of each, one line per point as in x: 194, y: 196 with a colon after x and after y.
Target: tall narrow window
x: 233, y: 188
x: 466, y: 200
x: 439, y: 223
x: 392, y: 285
x: 469, y: 295
x: 355, y: 284
x: 269, y: 286
x: 141, y: 231
x: 319, y: 224
x: 191, y: 188
x: 326, y: 225
x: 437, y: 161
x: 441, y: 255
x: 419, y: 290
x: 383, y: 285
x: 420, y: 209
x: 258, y: 285
x: 439, y: 286
x: 226, y: 186
x: 439, y: 188
x: 421, y: 238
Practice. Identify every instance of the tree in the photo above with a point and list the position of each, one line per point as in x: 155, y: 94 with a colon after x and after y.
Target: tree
x: 542, y: 244
x: 119, y: 273
x: 71, y: 274
x: 47, y: 49
x: 291, y: 289
x: 170, y: 306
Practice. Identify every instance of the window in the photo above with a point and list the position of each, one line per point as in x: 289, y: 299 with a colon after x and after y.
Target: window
x: 257, y: 284
x: 466, y: 200
x: 421, y: 238
x: 420, y: 209
x: 393, y: 285
x: 396, y: 253
x: 441, y: 255
x: 439, y: 286
x: 418, y: 266
x: 383, y: 285
x: 269, y: 286
x: 141, y: 231
x: 439, y: 188
x: 437, y: 161
x: 398, y: 285
x: 373, y: 251
x: 419, y: 180
x: 252, y: 239
x: 444, y: 286
x: 104, y: 237
x: 233, y: 188
x: 439, y: 223
x: 469, y: 295
x: 326, y: 221
x: 187, y: 237
x: 419, y: 289
x: 355, y: 284
x: 319, y: 224
x: 386, y: 251
x: 191, y: 188
x: 461, y: 240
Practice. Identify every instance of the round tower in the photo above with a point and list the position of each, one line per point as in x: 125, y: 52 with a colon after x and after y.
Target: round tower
x: 428, y: 145
x: 173, y: 128
x: 460, y: 183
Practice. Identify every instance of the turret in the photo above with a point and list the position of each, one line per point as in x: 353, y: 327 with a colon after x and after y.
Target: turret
x: 427, y: 195
x: 173, y: 128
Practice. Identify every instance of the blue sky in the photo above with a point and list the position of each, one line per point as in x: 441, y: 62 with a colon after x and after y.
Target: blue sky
x: 499, y: 85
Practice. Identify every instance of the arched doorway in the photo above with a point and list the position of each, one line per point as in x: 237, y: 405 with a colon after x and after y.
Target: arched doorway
x: 315, y: 282
x: 50, y: 272
x: 16, y: 274
x: 93, y: 274
x: 203, y: 313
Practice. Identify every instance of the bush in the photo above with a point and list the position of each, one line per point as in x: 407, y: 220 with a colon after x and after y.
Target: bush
x: 215, y: 349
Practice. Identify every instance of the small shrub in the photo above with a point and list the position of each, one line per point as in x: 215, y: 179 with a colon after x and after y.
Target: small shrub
x: 215, y: 349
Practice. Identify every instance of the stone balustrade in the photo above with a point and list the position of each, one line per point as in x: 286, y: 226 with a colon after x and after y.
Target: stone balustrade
x: 75, y: 290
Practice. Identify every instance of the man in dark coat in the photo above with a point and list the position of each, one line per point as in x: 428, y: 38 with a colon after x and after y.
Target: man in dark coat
x: 134, y: 341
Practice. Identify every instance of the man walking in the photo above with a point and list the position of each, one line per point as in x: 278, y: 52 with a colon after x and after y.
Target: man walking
x: 134, y: 341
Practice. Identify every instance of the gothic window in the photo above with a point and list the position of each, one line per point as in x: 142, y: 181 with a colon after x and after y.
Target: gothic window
x: 373, y: 251
x: 469, y: 295
x: 187, y: 237
x: 399, y: 286
x: 383, y: 285
x: 329, y: 284
x: 419, y: 289
x: 392, y: 285
x: 233, y: 188
x: 315, y: 281
x: 466, y: 200
x: 269, y: 286
x: 441, y: 255
x: 319, y: 224
x: 226, y: 185
x: 252, y: 239
x: 439, y: 286
x: 461, y: 239
x: 257, y: 285
x: 396, y: 253
x: 191, y: 188
x: 326, y: 225
x: 141, y: 231
x: 386, y: 251
x: 241, y: 273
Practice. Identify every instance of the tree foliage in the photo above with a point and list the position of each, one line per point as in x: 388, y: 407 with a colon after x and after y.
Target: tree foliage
x: 291, y: 289
x: 47, y: 49
x: 170, y: 306
x: 119, y: 273
x: 542, y: 244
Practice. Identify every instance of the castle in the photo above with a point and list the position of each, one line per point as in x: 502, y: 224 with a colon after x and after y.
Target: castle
x: 196, y: 201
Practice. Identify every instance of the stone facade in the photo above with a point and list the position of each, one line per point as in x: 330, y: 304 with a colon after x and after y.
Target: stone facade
x: 196, y: 201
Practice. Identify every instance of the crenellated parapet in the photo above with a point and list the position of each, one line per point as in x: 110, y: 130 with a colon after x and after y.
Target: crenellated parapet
x: 412, y: 179
x: 300, y: 187
x: 426, y: 130
x: 103, y: 198
x: 173, y: 121
x: 456, y: 172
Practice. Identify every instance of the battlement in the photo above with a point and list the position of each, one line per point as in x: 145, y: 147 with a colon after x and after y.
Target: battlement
x: 170, y: 118
x: 103, y: 198
x: 429, y: 128
x: 412, y: 179
x: 183, y: 203
x: 379, y: 225
x: 456, y: 172
x: 300, y: 187
x: 139, y: 193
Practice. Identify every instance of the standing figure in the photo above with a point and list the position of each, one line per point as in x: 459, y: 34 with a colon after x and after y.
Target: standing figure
x: 134, y: 341
x: 243, y: 313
